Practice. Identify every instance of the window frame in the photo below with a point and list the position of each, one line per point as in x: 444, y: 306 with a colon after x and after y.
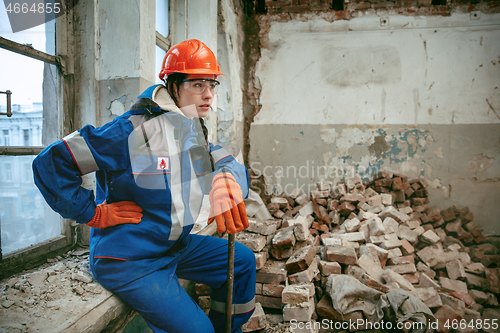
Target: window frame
x: 37, y: 254
x: 162, y: 41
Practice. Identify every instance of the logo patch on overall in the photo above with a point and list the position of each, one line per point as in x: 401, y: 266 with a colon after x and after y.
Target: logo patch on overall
x: 162, y: 163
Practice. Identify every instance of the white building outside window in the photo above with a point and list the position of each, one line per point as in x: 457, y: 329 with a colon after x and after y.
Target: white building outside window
x: 25, y: 218
x: 6, y: 137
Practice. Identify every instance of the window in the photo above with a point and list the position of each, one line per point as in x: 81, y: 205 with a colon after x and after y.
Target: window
x: 26, y: 137
x: 28, y: 225
x: 7, y: 173
x: 162, y: 34
x: 6, y: 137
x: 27, y: 173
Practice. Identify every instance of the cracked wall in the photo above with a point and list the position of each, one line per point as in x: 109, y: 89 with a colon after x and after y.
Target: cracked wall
x: 114, y: 62
x: 418, y: 96
x: 230, y: 57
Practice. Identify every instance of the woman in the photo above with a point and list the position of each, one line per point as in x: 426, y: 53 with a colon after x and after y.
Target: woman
x: 153, y: 166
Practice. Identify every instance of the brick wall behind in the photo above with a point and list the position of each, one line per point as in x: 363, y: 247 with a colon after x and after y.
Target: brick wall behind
x: 344, y: 9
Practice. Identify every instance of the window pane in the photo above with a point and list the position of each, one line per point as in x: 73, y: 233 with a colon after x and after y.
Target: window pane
x: 162, y: 17
x: 160, y: 54
x: 28, y: 126
x: 24, y: 216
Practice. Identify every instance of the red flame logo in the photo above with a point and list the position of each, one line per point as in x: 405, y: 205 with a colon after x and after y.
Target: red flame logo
x: 163, y: 164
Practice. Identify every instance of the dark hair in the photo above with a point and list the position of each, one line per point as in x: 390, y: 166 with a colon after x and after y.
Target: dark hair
x: 177, y: 79
x: 174, y: 79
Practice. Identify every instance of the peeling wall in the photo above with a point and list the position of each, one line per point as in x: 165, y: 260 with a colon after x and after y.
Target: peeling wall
x: 114, y: 57
x: 413, y: 95
x: 231, y: 59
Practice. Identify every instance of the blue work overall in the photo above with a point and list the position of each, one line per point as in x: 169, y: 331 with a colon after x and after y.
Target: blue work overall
x: 156, y: 158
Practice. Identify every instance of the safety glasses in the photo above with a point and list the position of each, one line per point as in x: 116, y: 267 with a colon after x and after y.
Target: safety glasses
x: 198, y: 86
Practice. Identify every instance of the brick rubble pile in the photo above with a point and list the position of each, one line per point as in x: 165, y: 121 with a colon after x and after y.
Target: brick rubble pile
x: 384, y: 233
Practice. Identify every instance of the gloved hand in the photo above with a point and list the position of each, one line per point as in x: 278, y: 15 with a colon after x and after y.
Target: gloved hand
x: 108, y: 215
x: 226, y: 204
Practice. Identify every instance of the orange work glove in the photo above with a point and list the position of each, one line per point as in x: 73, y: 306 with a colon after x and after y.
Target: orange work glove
x: 108, y: 215
x: 226, y: 204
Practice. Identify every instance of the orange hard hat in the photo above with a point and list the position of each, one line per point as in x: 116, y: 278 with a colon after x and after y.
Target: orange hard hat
x: 189, y: 57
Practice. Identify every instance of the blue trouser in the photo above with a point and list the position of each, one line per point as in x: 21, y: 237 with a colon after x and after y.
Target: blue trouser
x: 163, y: 302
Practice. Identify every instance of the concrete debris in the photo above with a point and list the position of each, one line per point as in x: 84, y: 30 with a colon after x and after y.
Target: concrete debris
x: 62, y: 288
x: 383, y: 235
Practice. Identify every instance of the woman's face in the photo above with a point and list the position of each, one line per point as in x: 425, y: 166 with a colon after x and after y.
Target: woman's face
x: 190, y: 100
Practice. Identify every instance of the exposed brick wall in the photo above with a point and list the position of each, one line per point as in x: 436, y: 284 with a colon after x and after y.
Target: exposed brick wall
x: 345, y: 9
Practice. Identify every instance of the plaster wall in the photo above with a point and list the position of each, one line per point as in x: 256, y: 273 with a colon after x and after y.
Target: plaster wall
x: 231, y: 59
x: 218, y: 25
x: 413, y: 95
x: 114, y: 57
x: 200, y: 20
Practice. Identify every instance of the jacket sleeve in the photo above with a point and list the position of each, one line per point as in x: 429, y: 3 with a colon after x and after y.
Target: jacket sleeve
x: 225, y: 162
x: 59, y: 168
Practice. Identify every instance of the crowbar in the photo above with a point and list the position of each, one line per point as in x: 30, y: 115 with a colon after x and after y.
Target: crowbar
x: 230, y: 280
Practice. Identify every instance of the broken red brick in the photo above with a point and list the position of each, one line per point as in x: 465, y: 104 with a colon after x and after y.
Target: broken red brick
x: 424, y: 218
x: 403, y: 269
x: 300, y: 260
x: 273, y: 290
x: 322, y: 228
x: 346, y: 208
x: 415, y: 185
x: 419, y: 201
x: 477, y: 281
x: 406, y: 185
x: 333, y: 204
x: 281, y: 254
x: 446, y: 314
x: 454, y: 228
x: 455, y: 270
x: 465, y: 297
x: 406, y: 247
x: 284, y: 238
x: 269, y: 302
x: 368, y: 281
x: 327, y: 268
x: 492, y: 275
x: 434, y: 214
x: 469, y: 216
x: 340, y: 254
x: 412, y: 278
x: 273, y: 272
x: 479, y: 239
x: 402, y: 260
x: 449, y: 214
x: 397, y: 183
x: 386, y: 182
x: 421, y: 193
x: 409, y: 192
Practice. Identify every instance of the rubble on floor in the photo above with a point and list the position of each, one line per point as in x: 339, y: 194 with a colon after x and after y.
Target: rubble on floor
x: 45, y: 298
x: 387, y: 236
